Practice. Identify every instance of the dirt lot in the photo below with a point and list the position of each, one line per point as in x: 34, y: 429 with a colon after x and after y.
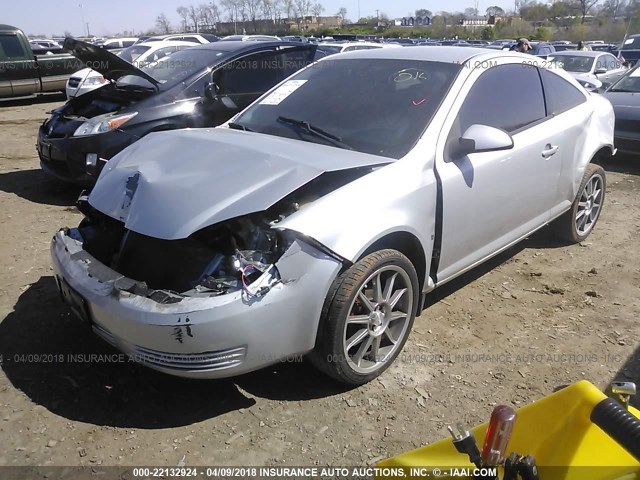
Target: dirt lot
x: 548, y: 314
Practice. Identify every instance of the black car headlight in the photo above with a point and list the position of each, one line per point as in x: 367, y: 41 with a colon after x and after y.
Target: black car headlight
x: 103, y: 123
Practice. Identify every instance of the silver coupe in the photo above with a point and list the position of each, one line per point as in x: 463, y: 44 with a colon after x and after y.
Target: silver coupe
x: 318, y: 220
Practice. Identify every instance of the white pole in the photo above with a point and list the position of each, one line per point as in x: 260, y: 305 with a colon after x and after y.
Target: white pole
x: 83, y: 22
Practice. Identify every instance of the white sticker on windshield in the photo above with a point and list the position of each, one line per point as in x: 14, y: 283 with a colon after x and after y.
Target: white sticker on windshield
x: 282, y: 92
x: 628, y: 41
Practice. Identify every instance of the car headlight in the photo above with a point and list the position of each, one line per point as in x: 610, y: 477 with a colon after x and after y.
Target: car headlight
x: 103, y: 123
x: 99, y: 80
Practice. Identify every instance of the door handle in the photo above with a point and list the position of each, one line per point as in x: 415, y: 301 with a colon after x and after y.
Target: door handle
x: 549, y: 150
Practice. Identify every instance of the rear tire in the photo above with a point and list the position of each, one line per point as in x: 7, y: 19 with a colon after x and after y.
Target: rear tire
x: 578, y: 222
x: 367, y: 317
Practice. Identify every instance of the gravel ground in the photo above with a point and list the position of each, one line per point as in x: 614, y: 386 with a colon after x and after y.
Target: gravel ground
x: 538, y: 316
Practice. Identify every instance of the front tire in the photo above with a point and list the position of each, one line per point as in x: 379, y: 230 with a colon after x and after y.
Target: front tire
x: 367, y: 317
x: 576, y: 224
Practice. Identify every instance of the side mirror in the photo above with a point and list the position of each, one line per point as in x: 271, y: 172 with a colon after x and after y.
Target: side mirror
x: 482, y: 138
x: 590, y: 84
x: 600, y: 71
x: 211, y: 93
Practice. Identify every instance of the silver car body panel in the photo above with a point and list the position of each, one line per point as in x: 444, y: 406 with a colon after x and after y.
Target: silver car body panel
x: 186, y: 181
x: 406, y: 183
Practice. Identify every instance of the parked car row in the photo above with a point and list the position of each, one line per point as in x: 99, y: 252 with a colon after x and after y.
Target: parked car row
x: 313, y: 221
x: 196, y: 87
x: 76, y: 155
x: 600, y: 65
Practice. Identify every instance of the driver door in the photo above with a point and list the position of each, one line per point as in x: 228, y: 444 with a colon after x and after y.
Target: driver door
x: 492, y: 199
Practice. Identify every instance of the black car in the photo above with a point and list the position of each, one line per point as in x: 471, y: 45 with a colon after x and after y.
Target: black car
x: 202, y: 86
x: 624, y: 95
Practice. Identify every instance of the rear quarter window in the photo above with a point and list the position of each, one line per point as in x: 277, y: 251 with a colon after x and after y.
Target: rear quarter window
x: 560, y: 95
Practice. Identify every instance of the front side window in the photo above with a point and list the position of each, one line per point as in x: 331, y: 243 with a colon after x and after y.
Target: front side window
x: 250, y: 74
x: 608, y: 62
x: 375, y: 106
x: 508, y: 97
x: 246, y: 78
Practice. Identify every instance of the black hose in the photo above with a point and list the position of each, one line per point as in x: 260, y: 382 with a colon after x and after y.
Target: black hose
x: 619, y: 424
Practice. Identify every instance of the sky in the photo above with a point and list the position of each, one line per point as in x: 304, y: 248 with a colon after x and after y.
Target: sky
x: 112, y: 16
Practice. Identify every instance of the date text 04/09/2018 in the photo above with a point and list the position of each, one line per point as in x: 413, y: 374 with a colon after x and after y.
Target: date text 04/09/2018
x: 305, y: 472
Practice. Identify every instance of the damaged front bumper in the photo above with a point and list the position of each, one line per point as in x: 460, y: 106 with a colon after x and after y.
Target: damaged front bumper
x: 201, y: 336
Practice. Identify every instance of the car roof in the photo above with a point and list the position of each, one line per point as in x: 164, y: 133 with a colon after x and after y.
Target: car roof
x: 447, y: 54
x: 166, y: 43
x: 350, y: 44
x: 171, y: 35
x: 115, y: 39
x: 239, y: 45
x: 266, y: 38
x: 580, y: 53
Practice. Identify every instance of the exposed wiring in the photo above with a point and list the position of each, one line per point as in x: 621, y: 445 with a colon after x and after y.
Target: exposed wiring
x: 262, y: 291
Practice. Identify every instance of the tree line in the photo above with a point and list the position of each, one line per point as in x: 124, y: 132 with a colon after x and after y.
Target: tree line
x: 562, y: 18
x: 208, y: 14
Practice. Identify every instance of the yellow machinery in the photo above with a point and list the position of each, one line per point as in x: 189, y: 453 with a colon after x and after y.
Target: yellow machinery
x: 559, y: 431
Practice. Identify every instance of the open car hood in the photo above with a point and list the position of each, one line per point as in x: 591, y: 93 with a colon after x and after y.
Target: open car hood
x: 169, y: 185
x: 109, y: 65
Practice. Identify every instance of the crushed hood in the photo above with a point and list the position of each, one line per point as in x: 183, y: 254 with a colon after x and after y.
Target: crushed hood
x: 169, y: 185
x: 101, y: 60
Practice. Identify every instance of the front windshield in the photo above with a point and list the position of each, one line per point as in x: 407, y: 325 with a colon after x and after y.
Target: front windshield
x: 175, y: 68
x: 131, y: 54
x: 376, y: 106
x: 628, y: 83
x: 573, y: 63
